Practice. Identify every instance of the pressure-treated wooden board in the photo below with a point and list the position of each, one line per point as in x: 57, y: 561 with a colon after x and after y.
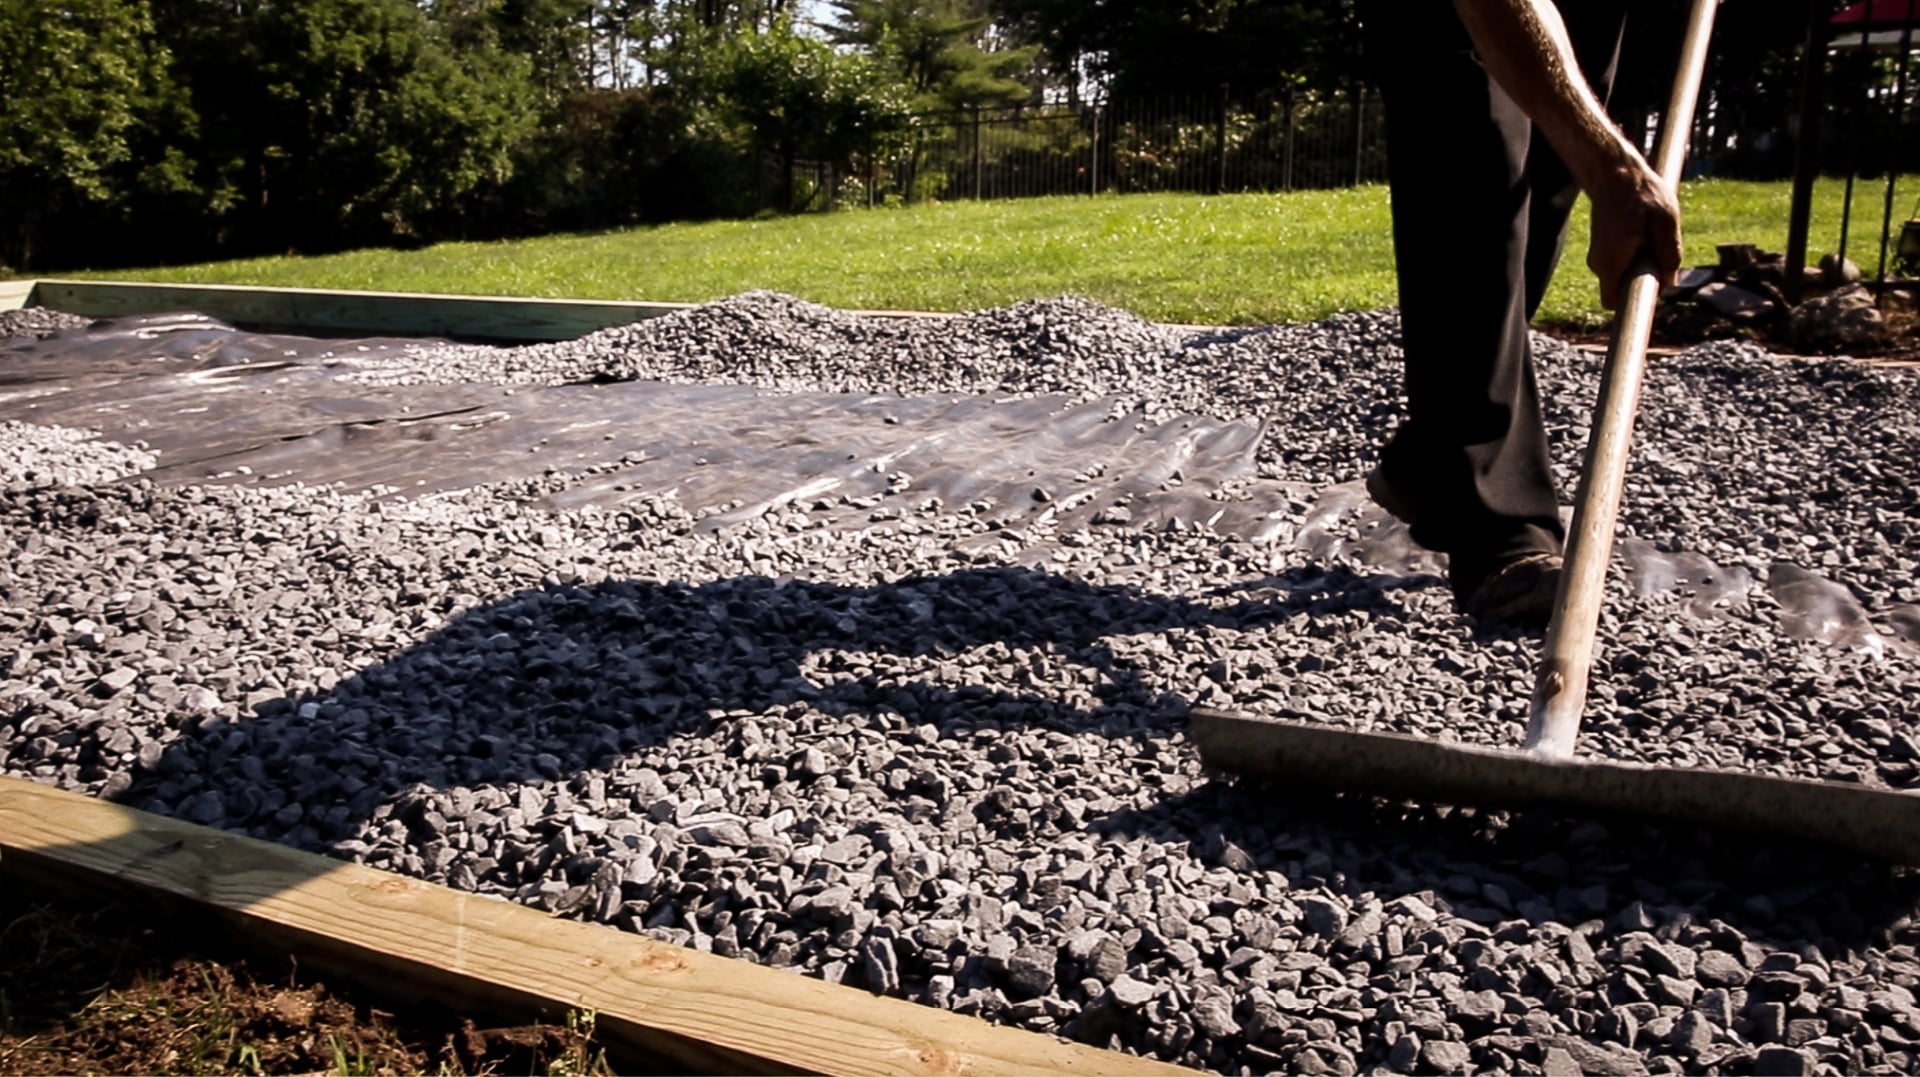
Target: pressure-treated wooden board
x: 472, y: 317
x: 401, y: 313
x: 15, y: 294
x: 690, y: 1011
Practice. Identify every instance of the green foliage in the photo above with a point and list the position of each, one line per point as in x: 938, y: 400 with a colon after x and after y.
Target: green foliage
x: 613, y: 158
x: 345, y: 1065
x: 1258, y: 48
x: 687, y: 43
x: 81, y: 82
x: 239, y: 126
x: 329, y: 123
x: 936, y: 49
x: 373, y: 121
x: 569, y: 45
x: 801, y: 97
x: 552, y: 35
x: 622, y: 33
x: 584, y: 1058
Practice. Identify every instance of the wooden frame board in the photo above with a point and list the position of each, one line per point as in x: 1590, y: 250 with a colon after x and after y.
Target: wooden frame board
x: 15, y: 294
x: 692, y: 1012
x: 507, y: 319
x: 400, y: 313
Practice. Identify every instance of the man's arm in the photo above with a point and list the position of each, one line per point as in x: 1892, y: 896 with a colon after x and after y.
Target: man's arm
x: 1524, y: 46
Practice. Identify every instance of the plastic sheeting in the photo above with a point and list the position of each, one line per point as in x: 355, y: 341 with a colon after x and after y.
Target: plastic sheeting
x: 220, y: 405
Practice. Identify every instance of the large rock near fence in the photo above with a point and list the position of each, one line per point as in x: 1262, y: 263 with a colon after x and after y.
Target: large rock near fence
x: 1846, y: 319
x: 1734, y: 303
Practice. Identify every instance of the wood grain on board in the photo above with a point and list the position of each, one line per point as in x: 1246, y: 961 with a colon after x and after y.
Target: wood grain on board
x: 691, y: 1011
x: 15, y: 294
x: 470, y: 317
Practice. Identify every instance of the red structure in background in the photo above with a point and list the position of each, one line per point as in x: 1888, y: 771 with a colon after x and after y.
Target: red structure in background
x: 1878, y: 15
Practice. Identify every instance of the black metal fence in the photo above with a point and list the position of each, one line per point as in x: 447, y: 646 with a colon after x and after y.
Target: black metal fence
x: 1119, y: 147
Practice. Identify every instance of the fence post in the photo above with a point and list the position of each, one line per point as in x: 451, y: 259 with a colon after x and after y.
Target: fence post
x: 1359, y: 131
x: 1806, y: 165
x: 976, y: 153
x: 763, y: 179
x: 1286, y: 148
x: 1854, y: 111
x: 1094, y: 172
x: 1220, y: 138
x: 1898, y: 109
x: 1858, y: 115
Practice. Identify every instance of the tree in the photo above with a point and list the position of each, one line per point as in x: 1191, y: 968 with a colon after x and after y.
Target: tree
x: 1258, y: 48
x: 622, y: 32
x: 936, y: 48
x: 554, y: 36
x: 803, y: 98
x: 82, y: 83
x: 1062, y: 34
x: 329, y: 123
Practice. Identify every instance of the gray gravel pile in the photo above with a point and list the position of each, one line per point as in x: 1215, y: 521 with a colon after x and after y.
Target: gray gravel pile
x: 1066, y: 345
x: 38, y: 322
x: 776, y: 341
x: 945, y: 760
x: 32, y: 456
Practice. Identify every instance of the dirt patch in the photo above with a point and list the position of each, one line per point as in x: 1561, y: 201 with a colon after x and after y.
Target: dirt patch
x: 94, y: 987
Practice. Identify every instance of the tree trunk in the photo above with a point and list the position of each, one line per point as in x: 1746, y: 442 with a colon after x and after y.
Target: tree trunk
x: 24, y: 247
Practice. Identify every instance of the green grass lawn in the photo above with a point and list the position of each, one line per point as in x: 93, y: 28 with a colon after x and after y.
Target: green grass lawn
x: 1235, y: 259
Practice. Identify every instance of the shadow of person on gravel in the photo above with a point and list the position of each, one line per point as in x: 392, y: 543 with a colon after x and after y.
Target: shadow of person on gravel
x: 542, y: 703
x: 544, y: 684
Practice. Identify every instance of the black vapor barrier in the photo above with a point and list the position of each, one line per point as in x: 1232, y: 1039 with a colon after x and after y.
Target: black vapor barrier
x: 214, y: 404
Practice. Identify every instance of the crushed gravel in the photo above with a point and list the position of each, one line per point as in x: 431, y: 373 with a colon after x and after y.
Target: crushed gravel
x: 36, y: 323
x: 37, y: 456
x: 902, y: 757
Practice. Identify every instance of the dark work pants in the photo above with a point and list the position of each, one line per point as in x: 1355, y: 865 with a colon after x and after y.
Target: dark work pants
x: 1480, y: 204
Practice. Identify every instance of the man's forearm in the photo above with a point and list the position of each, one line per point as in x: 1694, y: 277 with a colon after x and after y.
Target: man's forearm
x: 1525, y: 48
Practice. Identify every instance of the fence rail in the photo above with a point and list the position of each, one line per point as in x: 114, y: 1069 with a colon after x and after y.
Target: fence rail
x: 1119, y: 147
x: 1210, y: 144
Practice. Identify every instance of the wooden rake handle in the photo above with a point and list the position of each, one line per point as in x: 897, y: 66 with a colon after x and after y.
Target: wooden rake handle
x: 1560, y: 692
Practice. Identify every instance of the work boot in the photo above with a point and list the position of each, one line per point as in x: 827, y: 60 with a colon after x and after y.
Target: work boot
x: 1515, y: 584
x: 1517, y: 590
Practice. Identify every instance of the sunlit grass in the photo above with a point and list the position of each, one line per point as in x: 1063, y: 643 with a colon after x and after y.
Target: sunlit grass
x: 1233, y: 259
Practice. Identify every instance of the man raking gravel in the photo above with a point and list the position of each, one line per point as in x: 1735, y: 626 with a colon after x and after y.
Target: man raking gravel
x: 1490, y: 503
x: 1495, y: 125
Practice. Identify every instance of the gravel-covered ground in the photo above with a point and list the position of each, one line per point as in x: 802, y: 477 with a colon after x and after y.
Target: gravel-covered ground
x: 943, y: 758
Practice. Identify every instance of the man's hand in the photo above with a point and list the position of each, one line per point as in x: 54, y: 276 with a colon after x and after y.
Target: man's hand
x: 1634, y: 213
x: 1523, y: 44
